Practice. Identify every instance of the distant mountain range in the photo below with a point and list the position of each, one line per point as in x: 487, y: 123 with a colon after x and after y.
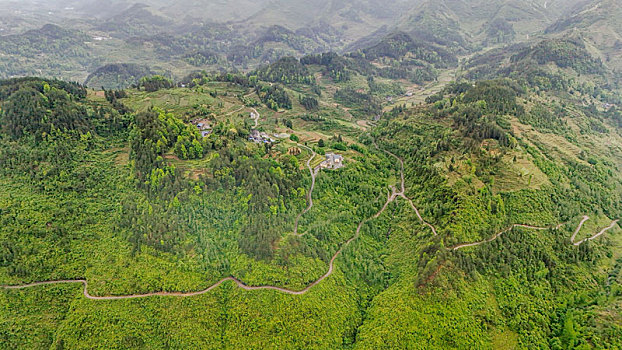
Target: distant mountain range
x: 182, y: 36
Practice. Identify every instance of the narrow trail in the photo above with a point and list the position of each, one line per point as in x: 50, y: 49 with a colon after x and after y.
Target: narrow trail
x: 574, y: 235
x: 239, y: 283
x: 235, y: 111
x: 256, y: 117
x: 585, y: 218
x: 402, y: 193
x: 497, y: 235
x: 391, y: 197
x: 309, y: 194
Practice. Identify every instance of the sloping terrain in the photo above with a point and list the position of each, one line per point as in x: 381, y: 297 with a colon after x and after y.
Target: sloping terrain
x: 447, y: 180
x: 598, y: 23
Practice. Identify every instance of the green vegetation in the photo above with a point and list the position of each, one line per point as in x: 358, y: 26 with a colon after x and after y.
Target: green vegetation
x: 117, y: 76
x: 274, y: 96
x: 155, y: 83
x: 564, y: 53
x: 447, y: 222
x: 51, y: 48
x: 286, y: 70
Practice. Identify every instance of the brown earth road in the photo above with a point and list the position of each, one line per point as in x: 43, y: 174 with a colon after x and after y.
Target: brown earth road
x: 256, y: 119
x: 465, y: 245
x: 574, y: 235
x: 392, y: 196
x: 309, y: 194
x: 572, y: 239
x: 585, y: 218
x: 403, y: 191
x: 235, y: 111
x: 215, y: 285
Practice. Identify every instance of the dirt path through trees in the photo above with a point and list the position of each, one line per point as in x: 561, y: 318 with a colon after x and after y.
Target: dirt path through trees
x: 309, y: 194
x: 255, y: 117
x: 391, y: 197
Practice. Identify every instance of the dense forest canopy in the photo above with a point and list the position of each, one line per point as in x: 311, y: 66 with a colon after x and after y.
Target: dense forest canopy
x: 310, y: 174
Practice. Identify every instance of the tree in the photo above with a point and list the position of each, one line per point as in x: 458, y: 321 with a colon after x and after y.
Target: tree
x: 155, y: 83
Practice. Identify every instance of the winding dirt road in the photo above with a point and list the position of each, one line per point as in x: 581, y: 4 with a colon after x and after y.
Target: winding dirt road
x: 235, y: 111
x: 586, y: 218
x: 240, y: 284
x: 309, y: 194
x: 256, y: 117
x: 497, y: 235
x: 403, y: 191
x: 539, y: 228
x: 574, y: 235
x: 391, y: 197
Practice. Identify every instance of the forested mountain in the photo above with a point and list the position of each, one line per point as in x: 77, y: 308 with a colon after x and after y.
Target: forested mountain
x: 137, y: 20
x: 175, y: 37
x: 52, y: 49
x: 117, y: 76
x: 462, y: 24
x: 598, y: 23
x: 310, y: 175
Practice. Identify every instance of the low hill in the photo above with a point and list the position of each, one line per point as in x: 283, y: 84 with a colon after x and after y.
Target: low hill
x: 117, y: 76
x: 50, y: 49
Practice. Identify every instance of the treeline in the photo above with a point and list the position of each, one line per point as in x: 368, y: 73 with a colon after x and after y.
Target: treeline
x: 479, y: 109
x: 49, y: 39
x: 290, y: 70
x: 287, y: 70
x: 334, y: 65
x: 155, y: 83
x: 274, y: 96
x: 270, y: 187
x: 399, y: 45
x: 201, y: 58
x: 33, y: 107
x: 266, y: 187
x: 153, y: 134
x: 499, y: 95
x: 308, y: 102
x: 117, y: 76
x: 531, y: 67
x: 565, y: 53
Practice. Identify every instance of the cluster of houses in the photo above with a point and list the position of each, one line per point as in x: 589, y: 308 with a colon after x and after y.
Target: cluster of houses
x: 203, y: 126
x: 260, y: 137
x: 332, y: 161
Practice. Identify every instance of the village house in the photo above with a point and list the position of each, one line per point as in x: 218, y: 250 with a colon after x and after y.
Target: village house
x: 333, y: 161
x: 203, y: 126
x: 259, y: 137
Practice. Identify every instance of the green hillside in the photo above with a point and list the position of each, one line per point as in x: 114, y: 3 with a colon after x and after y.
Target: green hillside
x: 598, y: 23
x: 311, y: 175
x: 156, y: 207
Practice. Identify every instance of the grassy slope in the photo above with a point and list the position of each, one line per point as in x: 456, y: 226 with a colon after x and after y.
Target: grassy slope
x: 470, y: 313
